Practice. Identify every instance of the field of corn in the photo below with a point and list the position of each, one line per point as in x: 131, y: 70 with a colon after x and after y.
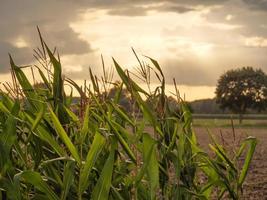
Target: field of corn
x: 51, y: 148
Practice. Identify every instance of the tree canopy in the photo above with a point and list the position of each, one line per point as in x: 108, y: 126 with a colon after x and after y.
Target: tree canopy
x: 241, y: 89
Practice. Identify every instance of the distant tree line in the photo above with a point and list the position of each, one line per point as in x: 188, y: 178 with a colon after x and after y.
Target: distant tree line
x: 210, y: 106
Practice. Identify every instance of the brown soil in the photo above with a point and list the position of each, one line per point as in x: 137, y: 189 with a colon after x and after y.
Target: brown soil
x: 255, y: 186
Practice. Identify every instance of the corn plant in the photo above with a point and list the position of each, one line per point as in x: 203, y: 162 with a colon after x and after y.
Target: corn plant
x: 51, y: 148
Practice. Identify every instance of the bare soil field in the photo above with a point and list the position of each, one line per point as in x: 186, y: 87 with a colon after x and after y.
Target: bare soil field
x: 255, y: 186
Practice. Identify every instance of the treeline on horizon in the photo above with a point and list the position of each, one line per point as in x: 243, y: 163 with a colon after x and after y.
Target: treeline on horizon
x: 200, y: 106
x: 209, y: 106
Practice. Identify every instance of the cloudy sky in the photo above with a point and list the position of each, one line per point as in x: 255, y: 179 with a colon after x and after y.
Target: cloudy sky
x: 194, y: 40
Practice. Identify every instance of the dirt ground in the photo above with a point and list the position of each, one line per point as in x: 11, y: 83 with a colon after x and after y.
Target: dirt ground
x: 255, y: 186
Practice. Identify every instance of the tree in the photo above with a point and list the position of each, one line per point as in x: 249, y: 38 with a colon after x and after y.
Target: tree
x: 124, y: 96
x: 241, y: 89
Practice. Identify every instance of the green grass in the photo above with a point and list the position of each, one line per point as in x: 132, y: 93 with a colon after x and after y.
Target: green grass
x: 246, y: 123
x: 52, y: 149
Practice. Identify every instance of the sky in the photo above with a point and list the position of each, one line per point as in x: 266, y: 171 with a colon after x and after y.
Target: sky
x: 194, y: 41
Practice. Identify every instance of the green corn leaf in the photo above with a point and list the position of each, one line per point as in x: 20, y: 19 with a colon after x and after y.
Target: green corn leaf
x: 57, y: 78
x: 115, y: 126
x: 11, y: 188
x: 39, y: 197
x: 142, y: 192
x: 25, y: 84
x: 118, y: 93
x: 127, y: 80
x: 156, y: 64
x: 68, y: 178
x: 45, y: 80
x: 219, y: 151
x: 4, y: 109
x: 240, y: 150
x: 7, y: 101
x: 122, y: 114
x: 101, y: 190
x: 45, y: 135
x: 116, y: 194
x: 153, y: 166
x: 252, y: 142
x: 148, y: 115
x: 92, y: 156
x: 147, y: 154
x: 85, y: 126
x: 8, y: 136
x: 80, y: 91
x: 181, y: 144
x: 72, y: 115
x: 174, y: 137
x: 225, y: 181
x: 94, y: 82
x: 15, y: 108
x: 36, y: 180
x: 64, y: 137
x: 55, y: 175
x: 39, y: 117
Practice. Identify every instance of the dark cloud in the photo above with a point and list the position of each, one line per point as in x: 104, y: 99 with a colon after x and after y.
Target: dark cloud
x: 23, y: 55
x: 129, y: 11
x: 66, y: 40
x: 247, y: 14
x: 188, y: 72
x: 142, y: 11
x: 142, y: 7
x: 176, y: 8
x: 257, y: 4
x: 112, y: 4
x: 18, y: 20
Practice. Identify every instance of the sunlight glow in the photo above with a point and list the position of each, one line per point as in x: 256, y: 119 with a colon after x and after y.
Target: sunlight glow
x: 202, y: 50
x: 20, y: 43
x: 256, y: 42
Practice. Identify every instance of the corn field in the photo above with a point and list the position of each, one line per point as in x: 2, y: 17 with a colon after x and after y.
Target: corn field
x: 52, y: 148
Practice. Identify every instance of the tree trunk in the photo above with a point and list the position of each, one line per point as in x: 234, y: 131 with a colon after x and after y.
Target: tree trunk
x: 242, y: 112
